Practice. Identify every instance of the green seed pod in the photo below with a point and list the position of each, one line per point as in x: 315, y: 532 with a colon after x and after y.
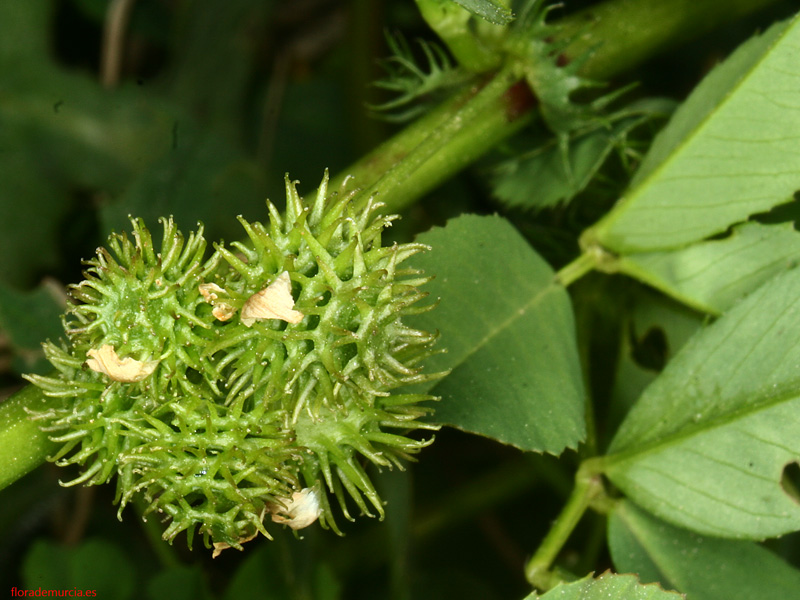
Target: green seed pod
x: 250, y: 386
x: 338, y: 347
x: 132, y: 345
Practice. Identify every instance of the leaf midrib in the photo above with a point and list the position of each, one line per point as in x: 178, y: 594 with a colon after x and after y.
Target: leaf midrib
x: 788, y: 393
x: 517, y: 312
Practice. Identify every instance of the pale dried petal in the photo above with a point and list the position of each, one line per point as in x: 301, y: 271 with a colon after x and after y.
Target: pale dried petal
x: 220, y: 546
x: 127, y: 370
x: 299, y: 512
x: 223, y: 311
x: 210, y: 291
x: 273, y: 302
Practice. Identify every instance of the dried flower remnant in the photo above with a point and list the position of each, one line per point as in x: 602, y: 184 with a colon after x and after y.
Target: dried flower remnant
x: 211, y: 293
x: 220, y: 546
x: 273, y: 302
x: 302, y: 510
x: 126, y: 370
x: 223, y: 311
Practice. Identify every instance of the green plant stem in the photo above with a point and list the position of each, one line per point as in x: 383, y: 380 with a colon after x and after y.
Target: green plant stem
x: 443, y: 142
x: 576, y: 269
x: 453, y: 25
x: 616, y: 35
x: 23, y: 446
x: 588, y: 487
x: 621, y: 34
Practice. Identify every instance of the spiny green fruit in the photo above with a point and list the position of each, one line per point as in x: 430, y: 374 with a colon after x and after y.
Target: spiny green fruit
x: 248, y: 386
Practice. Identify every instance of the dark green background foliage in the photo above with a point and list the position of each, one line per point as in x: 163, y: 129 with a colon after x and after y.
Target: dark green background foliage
x: 217, y: 100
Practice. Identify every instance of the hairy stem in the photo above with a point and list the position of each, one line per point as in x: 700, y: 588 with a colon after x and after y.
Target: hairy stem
x: 442, y: 143
x: 453, y: 25
x: 617, y: 35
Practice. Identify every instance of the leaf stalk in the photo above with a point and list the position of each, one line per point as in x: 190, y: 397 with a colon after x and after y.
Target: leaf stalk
x: 588, y: 489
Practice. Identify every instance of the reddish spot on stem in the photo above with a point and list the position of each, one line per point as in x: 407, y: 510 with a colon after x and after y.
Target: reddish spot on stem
x: 519, y: 100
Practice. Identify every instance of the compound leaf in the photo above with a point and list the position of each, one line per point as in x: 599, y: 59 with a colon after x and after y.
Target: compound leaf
x: 702, y: 567
x: 510, y: 337
x: 608, y: 585
x: 711, y: 275
x: 731, y: 150
x: 706, y: 445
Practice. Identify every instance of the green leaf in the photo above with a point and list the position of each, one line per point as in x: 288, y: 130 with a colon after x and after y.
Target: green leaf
x: 212, y: 79
x: 702, y: 567
x: 510, y: 337
x: 730, y: 151
x: 79, y: 133
x: 549, y: 174
x: 493, y: 11
x: 203, y: 179
x: 608, y: 585
x: 706, y: 444
x: 47, y: 566
x: 655, y: 329
x: 711, y: 275
x: 93, y: 565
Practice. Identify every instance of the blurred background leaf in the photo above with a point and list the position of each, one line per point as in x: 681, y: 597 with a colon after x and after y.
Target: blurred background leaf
x: 95, y: 564
x: 27, y: 318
